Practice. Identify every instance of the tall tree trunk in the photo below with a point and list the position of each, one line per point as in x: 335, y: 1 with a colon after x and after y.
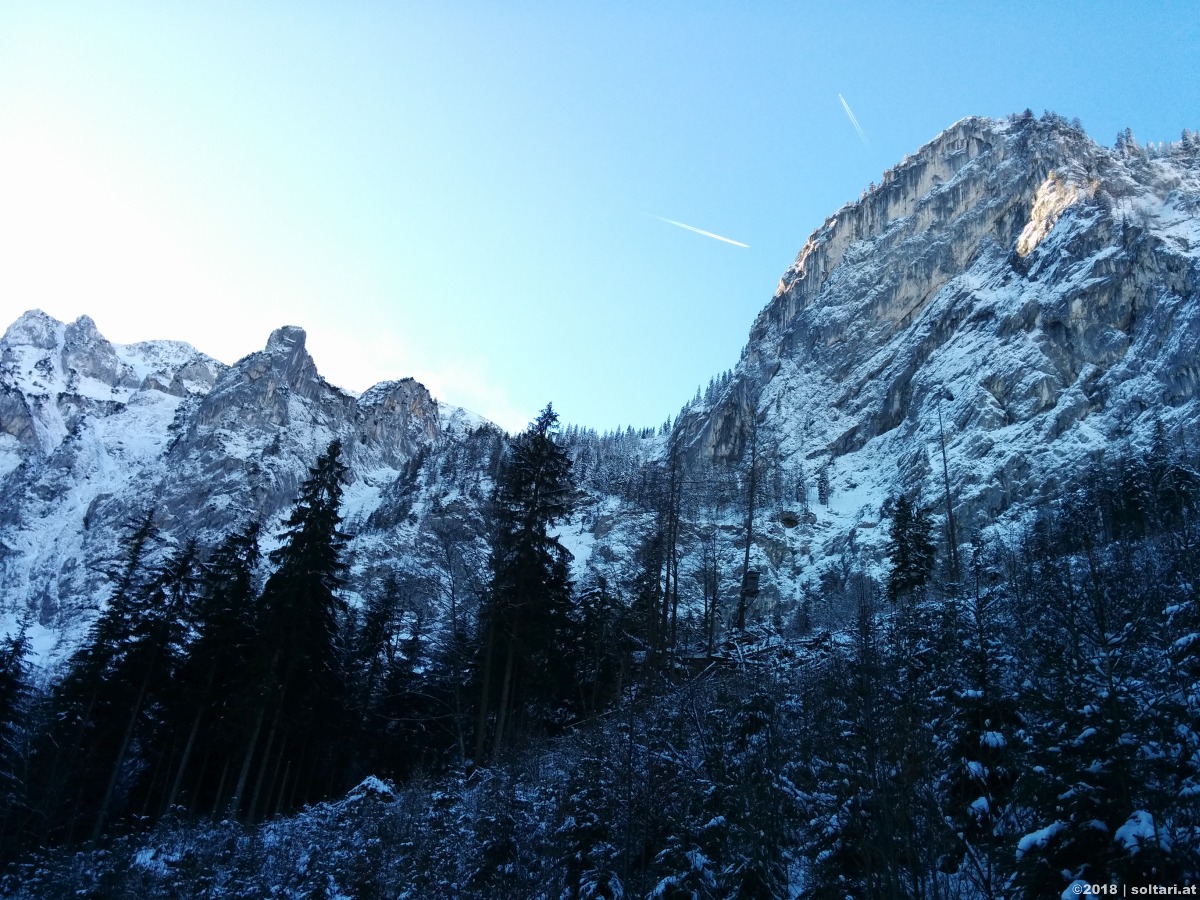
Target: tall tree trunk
x: 283, y: 786
x: 458, y: 723
x: 126, y: 739
x: 220, y: 786
x: 262, y: 768
x: 714, y: 589
x: 951, y: 531
x: 664, y: 608
x: 177, y: 784
x: 62, y: 775
x: 673, y: 562
x: 674, y: 512
x: 505, y: 690
x: 485, y: 698
x: 235, y: 802
x: 751, y: 491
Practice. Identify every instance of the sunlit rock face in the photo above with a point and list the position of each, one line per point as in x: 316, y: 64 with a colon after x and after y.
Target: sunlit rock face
x: 1011, y: 288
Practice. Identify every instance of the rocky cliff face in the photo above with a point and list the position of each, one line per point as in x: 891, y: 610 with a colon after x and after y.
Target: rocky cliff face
x: 1012, y: 287
x: 95, y: 435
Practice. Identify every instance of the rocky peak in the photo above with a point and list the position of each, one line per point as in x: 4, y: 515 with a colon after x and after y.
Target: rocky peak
x: 250, y: 440
x: 259, y: 387
x: 33, y: 329
x: 974, y: 183
x: 87, y: 354
x: 287, y: 340
x: 1012, y: 282
x: 285, y: 359
x: 394, y: 418
x: 83, y: 331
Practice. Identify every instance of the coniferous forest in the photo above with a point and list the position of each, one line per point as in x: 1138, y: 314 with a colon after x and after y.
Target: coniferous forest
x: 990, y: 717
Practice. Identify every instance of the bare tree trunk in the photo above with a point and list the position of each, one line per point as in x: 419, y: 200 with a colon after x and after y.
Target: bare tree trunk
x: 458, y: 724
x: 505, y: 689
x: 484, y: 699
x: 751, y: 490
x: 283, y: 787
x: 951, y: 532
x: 102, y: 815
x: 235, y: 801
x: 673, y: 562
x: 660, y: 642
x: 715, y: 587
x: 220, y: 786
x: 262, y: 769
x: 177, y: 784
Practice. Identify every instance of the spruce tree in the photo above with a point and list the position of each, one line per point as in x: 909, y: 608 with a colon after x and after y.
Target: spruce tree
x: 910, y: 551
x: 207, y: 707
x: 15, y: 694
x: 89, y: 705
x: 293, y: 751
x: 138, y: 674
x: 978, y: 727
x: 585, y: 839
x: 525, y: 622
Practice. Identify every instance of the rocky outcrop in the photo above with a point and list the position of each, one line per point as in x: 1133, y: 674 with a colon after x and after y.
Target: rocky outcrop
x: 249, y: 443
x: 94, y: 435
x: 1011, y: 288
x: 393, y: 421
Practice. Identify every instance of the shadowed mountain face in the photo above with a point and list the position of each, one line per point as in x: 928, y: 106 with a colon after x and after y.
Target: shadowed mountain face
x: 1012, y: 294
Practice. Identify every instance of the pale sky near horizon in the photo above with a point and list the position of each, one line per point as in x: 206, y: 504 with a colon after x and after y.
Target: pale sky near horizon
x: 488, y: 197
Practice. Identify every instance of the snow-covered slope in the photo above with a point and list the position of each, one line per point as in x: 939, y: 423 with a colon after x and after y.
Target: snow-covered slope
x: 96, y: 435
x: 82, y: 420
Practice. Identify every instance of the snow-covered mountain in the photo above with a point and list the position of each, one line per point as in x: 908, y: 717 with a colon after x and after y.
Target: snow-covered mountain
x: 1012, y: 288
x: 1012, y: 291
x: 96, y: 435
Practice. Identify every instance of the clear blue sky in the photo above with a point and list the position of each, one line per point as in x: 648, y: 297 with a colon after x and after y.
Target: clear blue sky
x: 474, y: 193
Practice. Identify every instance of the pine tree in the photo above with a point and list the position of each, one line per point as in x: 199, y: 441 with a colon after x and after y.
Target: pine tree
x: 753, y: 486
x: 207, y: 707
x: 756, y: 796
x: 978, y: 728
x: 303, y: 690
x: 406, y: 699
x: 603, y: 647
x: 143, y: 666
x: 90, y: 705
x: 824, y: 487
x: 15, y: 695
x: 1105, y: 787
x: 527, y: 632
x: 584, y: 838
x: 910, y: 551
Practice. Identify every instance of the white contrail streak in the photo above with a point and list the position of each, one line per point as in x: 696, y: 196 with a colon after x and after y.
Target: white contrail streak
x: 853, y: 121
x: 702, y: 231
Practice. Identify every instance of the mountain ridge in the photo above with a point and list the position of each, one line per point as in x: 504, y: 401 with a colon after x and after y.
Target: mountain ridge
x: 1011, y: 295
x: 877, y: 305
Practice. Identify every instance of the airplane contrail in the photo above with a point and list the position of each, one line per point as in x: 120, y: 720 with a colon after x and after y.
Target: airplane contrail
x: 702, y: 231
x: 853, y: 121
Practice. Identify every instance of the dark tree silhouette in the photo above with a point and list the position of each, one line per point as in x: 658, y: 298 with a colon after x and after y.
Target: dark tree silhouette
x: 526, y: 628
